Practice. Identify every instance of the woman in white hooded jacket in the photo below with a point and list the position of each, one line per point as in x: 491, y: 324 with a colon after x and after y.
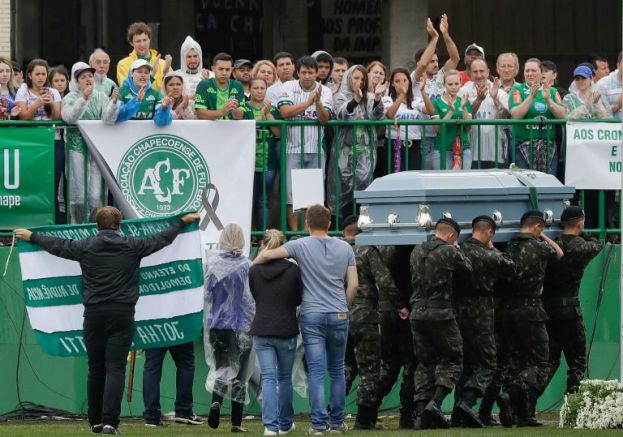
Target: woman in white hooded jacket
x: 353, y: 157
x: 85, y: 103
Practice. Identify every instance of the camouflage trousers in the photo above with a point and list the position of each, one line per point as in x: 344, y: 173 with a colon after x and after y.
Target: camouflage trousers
x: 350, y: 363
x: 367, y: 343
x: 440, y: 356
x: 396, y: 353
x: 528, y: 353
x: 567, y: 336
x: 475, y: 320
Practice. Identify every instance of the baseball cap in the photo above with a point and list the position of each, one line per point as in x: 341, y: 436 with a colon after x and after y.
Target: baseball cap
x: 79, y: 67
x: 15, y: 66
x: 484, y: 218
x: 532, y: 214
x: 571, y: 213
x: 450, y: 222
x: 240, y: 62
x: 138, y: 64
x: 549, y: 65
x: 583, y: 71
x: 474, y: 46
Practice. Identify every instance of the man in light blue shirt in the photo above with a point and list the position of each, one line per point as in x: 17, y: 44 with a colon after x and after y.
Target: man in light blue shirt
x: 330, y: 283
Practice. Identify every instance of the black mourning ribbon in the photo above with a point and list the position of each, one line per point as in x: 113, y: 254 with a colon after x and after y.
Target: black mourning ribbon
x: 210, y: 208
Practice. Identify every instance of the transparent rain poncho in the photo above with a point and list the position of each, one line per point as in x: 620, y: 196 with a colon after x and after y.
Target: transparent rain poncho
x: 229, y: 309
x: 353, y: 156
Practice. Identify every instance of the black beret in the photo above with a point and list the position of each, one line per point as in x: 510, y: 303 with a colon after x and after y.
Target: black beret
x: 449, y: 222
x: 571, y: 213
x: 484, y: 218
x: 351, y: 219
x: 533, y: 214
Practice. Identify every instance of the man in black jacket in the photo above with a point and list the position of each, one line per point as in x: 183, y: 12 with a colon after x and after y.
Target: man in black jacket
x: 110, y: 273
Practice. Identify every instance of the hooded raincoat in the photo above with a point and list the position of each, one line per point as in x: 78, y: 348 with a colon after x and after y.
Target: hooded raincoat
x: 191, y: 77
x: 228, y: 312
x: 74, y: 108
x: 352, y: 161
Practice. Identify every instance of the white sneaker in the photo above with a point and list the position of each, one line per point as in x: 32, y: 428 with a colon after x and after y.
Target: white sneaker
x: 287, y: 431
x: 269, y: 432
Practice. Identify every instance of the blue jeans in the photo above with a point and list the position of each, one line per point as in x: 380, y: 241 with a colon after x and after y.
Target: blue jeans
x: 466, y: 161
x: 184, y: 357
x: 276, y: 358
x: 324, y: 339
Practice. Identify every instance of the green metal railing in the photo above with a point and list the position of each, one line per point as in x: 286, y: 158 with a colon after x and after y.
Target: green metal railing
x: 379, y: 141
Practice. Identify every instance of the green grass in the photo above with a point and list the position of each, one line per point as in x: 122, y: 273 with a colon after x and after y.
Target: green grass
x: 134, y: 427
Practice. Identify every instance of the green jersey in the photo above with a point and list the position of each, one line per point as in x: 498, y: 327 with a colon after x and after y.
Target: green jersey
x: 211, y: 96
x: 265, y: 158
x: 442, y: 108
x: 538, y: 108
x: 147, y: 106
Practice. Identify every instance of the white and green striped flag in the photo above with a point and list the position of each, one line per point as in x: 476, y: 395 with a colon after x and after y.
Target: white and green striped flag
x: 170, y: 305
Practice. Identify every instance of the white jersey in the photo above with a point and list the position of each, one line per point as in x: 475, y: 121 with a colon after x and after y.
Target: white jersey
x: 486, y: 111
x: 273, y: 92
x: 293, y: 94
x: 405, y: 113
x: 610, y: 88
x: 435, y: 88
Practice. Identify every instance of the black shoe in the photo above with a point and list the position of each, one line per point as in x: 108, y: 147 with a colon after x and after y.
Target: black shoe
x: 456, y: 420
x: 528, y: 422
x: 488, y: 420
x: 189, y: 420
x: 97, y: 429
x: 468, y: 416
x: 433, y: 417
x: 215, y: 415
x: 364, y: 417
x: 110, y: 430
x: 406, y: 419
x: 506, y: 411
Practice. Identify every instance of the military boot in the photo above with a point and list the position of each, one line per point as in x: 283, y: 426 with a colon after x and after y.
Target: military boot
x: 530, y: 410
x: 433, y: 417
x: 486, y: 407
x: 506, y: 411
x: 417, y: 417
x: 464, y: 408
x: 406, y: 416
x: 374, y: 417
x: 364, y: 417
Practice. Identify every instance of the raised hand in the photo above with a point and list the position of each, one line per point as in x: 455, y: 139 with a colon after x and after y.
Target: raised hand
x: 493, y: 92
x: 545, y: 91
x: 481, y: 91
x: 380, y: 89
x: 141, y: 94
x: 357, y: 93
x: 115, y: 95
x: 534, y: 89
x: 430, y: 29
x: 157, y: 64
x: 443, y: 25
x: 88, y: 90
x: 168, y: 59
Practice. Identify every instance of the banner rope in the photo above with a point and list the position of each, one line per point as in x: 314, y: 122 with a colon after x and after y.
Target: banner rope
x: 8, y: 258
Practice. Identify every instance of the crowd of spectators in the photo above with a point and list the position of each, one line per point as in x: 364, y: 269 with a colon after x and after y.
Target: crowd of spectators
x: 319, y: 87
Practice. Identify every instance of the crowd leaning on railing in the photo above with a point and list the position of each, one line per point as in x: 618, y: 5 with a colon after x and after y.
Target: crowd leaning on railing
x: 320, y: 87
x: 485, y: 349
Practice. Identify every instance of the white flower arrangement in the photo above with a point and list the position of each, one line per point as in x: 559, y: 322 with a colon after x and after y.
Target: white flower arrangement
x: 598, y: 404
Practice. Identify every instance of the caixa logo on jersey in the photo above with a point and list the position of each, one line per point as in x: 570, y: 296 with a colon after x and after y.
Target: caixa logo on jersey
x: 162, y: 175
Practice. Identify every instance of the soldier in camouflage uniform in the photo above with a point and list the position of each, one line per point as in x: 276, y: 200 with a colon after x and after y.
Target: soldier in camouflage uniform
x: 349, y: 231
x: 474, y: 306
x: 565, y: 324
x: 375, y: 285
x: 524, y: 322
x: 396, y: 339
x: 436, y: 334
